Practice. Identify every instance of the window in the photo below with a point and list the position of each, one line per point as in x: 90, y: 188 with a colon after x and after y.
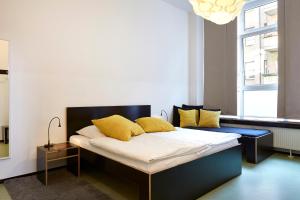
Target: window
x: 258, y: 59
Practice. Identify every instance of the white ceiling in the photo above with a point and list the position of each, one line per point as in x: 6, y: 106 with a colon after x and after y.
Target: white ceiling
x: 182, y: 4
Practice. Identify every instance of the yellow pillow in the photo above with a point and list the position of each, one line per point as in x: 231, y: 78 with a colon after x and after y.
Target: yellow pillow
x: 153, y: 124
x: 136, y: 129
x: 118, y: 127
x: 188, y: 117
x: 209, y: 119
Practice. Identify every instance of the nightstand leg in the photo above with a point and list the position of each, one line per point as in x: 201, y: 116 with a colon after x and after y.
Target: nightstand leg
x: 46, y: 170
x: 42, y: 166
x: 78, y: 162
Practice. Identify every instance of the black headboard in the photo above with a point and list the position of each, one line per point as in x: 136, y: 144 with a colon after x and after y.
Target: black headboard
x: 80, y: 117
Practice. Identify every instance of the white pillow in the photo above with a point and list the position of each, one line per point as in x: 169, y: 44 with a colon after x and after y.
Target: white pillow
x: 90, y: 132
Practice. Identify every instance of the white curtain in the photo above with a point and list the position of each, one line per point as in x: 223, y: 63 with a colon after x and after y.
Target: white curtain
x: 289, y: 58
x: 220, y: 67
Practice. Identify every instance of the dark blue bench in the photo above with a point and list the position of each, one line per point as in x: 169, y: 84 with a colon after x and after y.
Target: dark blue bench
x: 242, y: 131
x: 257, y: 143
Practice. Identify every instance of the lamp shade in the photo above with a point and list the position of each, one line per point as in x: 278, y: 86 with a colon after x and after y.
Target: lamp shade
x: 218, y: 11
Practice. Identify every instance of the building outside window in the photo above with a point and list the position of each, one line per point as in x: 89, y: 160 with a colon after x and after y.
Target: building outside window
x: 258, y: 59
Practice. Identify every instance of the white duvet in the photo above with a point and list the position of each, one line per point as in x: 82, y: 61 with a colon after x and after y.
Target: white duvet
x: 151, y: 147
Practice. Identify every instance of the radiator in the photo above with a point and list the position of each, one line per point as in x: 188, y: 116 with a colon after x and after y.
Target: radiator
x: 284, y: 138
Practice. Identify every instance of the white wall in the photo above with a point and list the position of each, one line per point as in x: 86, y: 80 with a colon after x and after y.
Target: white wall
x: 182, y: 4
x: 88, y: 53
x: 196, y: 59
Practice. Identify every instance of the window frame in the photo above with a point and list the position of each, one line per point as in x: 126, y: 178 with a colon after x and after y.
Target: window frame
x: 242, y: 34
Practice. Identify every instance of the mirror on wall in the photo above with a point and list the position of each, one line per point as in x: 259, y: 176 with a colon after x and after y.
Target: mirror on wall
x: 4, y: 100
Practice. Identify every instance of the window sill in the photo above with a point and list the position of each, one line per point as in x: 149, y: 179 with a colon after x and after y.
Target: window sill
x: 257, y: 121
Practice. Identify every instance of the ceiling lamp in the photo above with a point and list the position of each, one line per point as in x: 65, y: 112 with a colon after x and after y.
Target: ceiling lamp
x: 218, y: 11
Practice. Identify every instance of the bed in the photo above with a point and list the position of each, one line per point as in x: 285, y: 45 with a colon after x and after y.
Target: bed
x: 187, y: 176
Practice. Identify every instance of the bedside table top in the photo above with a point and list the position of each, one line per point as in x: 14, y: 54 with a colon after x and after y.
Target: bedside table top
x: 59, y: 147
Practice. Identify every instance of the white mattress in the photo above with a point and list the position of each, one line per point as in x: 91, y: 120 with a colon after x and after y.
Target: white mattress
x: 156, y: 165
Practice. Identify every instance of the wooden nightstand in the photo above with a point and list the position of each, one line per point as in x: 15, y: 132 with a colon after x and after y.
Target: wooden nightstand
x: 49, y: 158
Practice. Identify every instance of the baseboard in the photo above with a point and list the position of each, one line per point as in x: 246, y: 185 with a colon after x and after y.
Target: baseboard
x: 286, y: 151
x: 29, y: 174
x: 20, y: 176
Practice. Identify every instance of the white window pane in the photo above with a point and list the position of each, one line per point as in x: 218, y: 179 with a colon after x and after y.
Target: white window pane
x: 258, y: 58
x: 268, y: 14
x: 269, y: 58
x: 262, y: 16
x: 260, y: 103
x: 261, y: 59
x: 252, y: 18
x: 252, y: 60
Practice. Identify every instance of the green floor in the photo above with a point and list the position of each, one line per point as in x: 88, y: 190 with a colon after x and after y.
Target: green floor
x: 277, y: 178
x: 3, y: 150
x: 3, y: 193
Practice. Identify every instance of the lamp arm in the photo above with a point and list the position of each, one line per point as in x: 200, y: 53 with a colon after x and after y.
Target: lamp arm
x: 49, y: 128
x: 163, y: 111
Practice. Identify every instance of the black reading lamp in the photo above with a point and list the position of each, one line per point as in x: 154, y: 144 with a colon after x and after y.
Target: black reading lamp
x: 59, y: 125
x: 163, y: 111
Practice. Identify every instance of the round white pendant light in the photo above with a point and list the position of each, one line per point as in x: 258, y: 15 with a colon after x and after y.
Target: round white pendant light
x: 218, y: 11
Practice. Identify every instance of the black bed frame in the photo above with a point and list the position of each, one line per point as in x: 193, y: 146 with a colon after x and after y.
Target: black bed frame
x: 184, y: 182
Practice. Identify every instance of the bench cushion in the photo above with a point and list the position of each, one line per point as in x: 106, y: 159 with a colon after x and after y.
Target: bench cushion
x: 242, y: 131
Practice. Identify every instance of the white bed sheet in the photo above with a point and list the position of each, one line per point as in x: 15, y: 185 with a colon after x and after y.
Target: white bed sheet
x: 157, y: 146
x: 155, y: 166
